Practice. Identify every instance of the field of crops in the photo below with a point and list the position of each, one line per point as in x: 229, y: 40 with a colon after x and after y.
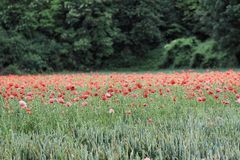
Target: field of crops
x: 116, y: 116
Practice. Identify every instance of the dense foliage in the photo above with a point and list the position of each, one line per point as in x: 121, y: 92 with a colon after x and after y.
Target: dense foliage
x: 38, y: 36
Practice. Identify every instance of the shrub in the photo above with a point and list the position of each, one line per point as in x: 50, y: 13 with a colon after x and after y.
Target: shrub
x: 178, y: 52
x: 33, y: 63
x: 11, y: 69
x: 191, y: 52
x: 207, y: 54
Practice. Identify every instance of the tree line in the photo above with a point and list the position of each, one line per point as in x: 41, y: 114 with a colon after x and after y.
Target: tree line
x: 56, y: 35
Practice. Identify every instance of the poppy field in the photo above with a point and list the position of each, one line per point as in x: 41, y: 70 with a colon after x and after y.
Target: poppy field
x: 178, y: 115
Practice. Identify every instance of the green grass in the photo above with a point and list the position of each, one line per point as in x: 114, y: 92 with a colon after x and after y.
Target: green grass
x: 182, y: 130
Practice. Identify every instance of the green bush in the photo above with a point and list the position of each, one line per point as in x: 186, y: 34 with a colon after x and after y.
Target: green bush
x: 11, y: 69
x: 207, y: 55
x: 192, y: 53
x: 33, y: 63
x: 178, y: 52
